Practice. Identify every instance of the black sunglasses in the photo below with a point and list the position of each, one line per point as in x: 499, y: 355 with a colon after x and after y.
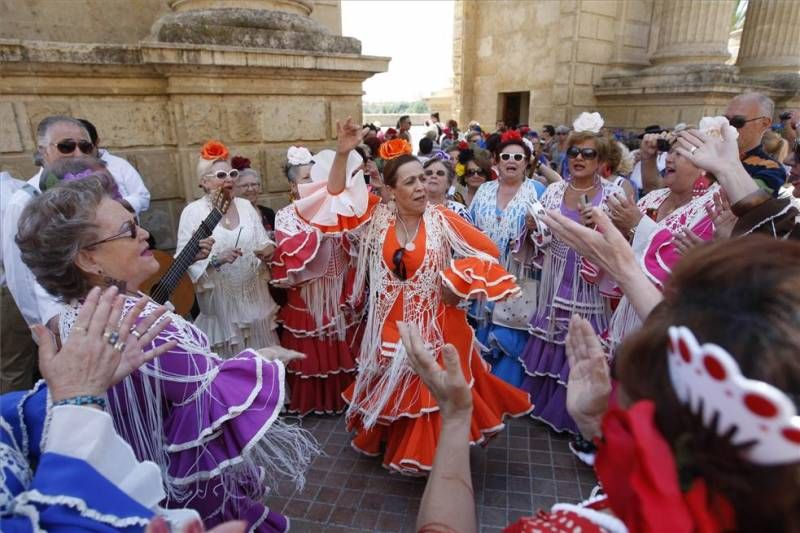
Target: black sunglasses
x: 440, y: 173
x: 739, y: 121
x: 67, y: 146
x: 128, y: 231
x: 517, y: 157
x: 399, y: 266
x: 587, y: 153
x: 474, y: 172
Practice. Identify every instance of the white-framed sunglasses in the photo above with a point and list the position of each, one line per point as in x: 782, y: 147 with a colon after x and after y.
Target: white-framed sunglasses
x: 223, y: 174
x: 505, y: 156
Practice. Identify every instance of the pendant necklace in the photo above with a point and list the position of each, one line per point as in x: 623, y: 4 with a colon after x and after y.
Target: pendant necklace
x: 410, y: 246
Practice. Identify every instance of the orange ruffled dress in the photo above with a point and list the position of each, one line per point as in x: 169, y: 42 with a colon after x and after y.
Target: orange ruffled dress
x: 390, y: 408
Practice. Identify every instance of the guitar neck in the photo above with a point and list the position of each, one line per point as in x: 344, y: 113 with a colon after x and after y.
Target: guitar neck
x: 166, y: 286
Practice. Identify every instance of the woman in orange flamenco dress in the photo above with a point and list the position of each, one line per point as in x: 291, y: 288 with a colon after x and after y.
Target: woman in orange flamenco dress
x: 407, y: 272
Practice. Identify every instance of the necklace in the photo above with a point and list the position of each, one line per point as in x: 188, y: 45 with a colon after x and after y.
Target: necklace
x: 589, y: 188
x: 409, y: 245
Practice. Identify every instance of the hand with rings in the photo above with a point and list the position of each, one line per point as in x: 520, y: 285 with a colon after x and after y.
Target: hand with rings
x: 88, y: 363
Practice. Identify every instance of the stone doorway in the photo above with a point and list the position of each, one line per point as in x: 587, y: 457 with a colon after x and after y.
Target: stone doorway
x: 513, y: 108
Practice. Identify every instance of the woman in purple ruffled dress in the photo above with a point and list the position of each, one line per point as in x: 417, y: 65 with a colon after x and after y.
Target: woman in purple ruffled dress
x: 211, y: 424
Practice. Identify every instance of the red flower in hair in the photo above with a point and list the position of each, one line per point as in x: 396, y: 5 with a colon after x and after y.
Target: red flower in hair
x: 394, y: 148
x: 240, y: 163
x: 214, y: 150
x: 463, y: 145
x: 511, y: 135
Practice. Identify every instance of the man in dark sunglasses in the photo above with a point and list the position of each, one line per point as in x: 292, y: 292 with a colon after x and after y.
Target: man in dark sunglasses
x: 59, y: 137
x: 751, y: 114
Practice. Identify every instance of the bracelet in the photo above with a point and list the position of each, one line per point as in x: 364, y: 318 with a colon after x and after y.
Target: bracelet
x: 750, y: 202
x: 215, y: 262
x: 83, y: 400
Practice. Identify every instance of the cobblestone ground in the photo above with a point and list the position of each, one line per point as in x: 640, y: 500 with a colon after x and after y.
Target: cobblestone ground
x: 524, y: 469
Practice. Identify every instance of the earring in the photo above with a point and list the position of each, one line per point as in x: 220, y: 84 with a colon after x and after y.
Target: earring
x: 392, y: 205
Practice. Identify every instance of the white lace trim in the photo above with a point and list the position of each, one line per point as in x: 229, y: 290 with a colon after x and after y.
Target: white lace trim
x: 34, y: 496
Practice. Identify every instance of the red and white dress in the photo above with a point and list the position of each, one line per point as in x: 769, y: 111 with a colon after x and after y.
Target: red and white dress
x: 390, y: 408
x: 316, y: 268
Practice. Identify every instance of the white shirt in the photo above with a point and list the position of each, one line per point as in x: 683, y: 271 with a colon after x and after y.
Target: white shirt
x: 8, y: 186
x: 131, y: 186
x: 636, y: 174
x: 36, y: 304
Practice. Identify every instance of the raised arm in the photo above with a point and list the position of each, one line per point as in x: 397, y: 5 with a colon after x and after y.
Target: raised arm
x: 348, y: 136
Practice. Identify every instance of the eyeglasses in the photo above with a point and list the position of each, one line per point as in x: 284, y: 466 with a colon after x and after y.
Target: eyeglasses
x: 399, y: 266
x: 67, y: 146
x: 246, y: 186
x: 440, y: 173
x: 739, y: 121
x: 561, y: 133
x: 587, y: 153
x: 474, y: 172
x: 505, y: 156
x: 222, y: 174
x: 129, y: 230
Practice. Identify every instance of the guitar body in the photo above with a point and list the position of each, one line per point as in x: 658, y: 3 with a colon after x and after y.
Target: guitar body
x: 183, y: 297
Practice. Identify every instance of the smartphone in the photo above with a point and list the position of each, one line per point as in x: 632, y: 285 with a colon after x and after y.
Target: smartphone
x: 662, y: 145
x: 585, y: 203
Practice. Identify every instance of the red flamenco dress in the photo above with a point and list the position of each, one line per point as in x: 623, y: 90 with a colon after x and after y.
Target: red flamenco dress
x: 316, y: 269
x: 390, y: 409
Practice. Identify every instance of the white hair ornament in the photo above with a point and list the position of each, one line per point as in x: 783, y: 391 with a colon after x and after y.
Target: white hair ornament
x: 298, y: 155
x: 708, y: 380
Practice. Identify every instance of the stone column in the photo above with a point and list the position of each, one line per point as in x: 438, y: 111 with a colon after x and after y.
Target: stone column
x: 692, y: 31
x: 771, y: 38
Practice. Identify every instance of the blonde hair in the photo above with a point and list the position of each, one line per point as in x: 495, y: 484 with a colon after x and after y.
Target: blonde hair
x: 204, y: 166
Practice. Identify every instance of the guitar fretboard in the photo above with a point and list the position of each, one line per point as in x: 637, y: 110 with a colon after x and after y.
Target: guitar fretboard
x: 167, y: 284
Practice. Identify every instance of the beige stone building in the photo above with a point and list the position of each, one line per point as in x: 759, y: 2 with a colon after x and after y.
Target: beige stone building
x: 638, y: 62
x: 160, y: 77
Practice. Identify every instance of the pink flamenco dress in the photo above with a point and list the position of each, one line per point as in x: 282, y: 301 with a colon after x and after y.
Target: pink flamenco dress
x: 390, y: 409
x: 316, y: 268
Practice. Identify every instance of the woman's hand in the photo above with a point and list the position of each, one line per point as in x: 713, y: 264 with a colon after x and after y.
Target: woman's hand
x: 447, y: 385
x: 279, y: 353
x: 265, y: 254
x: 624, y: 212
x: 205, y: 248
x: 685, y: 239
x: 721, y: 215
x: 648, y: 148
x: 229, y: 256
x: 348, y: 136
x: 159, y: 525
x: 88, y: 364
x: 709, y: 153
x: 589, y: 383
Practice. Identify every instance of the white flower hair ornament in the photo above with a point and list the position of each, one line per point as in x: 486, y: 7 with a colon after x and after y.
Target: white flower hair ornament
x: 708, y: 380
x: 591, y: 122
x: 712, y: 126
x: 298, y: 155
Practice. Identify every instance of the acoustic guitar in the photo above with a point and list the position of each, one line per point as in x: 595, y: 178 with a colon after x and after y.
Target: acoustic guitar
x: 171, y: 282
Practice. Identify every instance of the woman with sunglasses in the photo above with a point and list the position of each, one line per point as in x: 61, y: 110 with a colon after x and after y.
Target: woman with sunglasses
x: 473, y: 168
x: 439, y: 177
x: 499, y: 209
x: 567, y: 287
x: 406, y: 253
x: 232, y: 283
x: 210, y: 424
x: 316, y: 269
x: 665, y: 224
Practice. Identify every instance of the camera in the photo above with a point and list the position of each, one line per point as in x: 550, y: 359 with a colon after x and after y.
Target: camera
x: 785, y: 116
x: 662, y: 145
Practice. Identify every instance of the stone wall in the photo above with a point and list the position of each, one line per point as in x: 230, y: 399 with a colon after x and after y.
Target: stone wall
x: 156, y: 103
x: 638, y: 62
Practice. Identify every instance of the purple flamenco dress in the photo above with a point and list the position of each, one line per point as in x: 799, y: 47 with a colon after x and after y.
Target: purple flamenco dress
x: 563, y: 291
x: 212, y: 426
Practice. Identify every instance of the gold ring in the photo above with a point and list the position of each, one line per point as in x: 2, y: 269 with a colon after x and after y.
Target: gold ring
x: 107, y: 335
x: 80, y: 329
x: 136, y: 333
x: 120, y: 346
x: 693, y: 150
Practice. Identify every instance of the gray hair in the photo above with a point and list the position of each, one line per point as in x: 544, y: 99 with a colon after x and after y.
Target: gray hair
x: 43, y: 133
x: 765, y: 104
x: 448, y: 166
x: 562, y: 129
x: 292, y: 171
x: 250, y: 172
x: 54, y: 227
